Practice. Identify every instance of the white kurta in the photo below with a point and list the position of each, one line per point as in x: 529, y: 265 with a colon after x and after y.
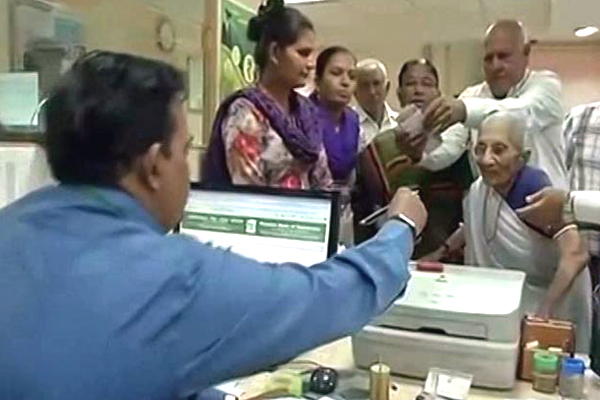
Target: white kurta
x: 538, y: 96
x: 496, y: 237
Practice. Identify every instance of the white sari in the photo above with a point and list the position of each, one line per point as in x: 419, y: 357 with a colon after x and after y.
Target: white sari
x: 496, y: 237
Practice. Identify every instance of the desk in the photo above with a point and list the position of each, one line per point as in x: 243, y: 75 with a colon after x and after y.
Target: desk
x: 339, y: 355
x: 22, y: 135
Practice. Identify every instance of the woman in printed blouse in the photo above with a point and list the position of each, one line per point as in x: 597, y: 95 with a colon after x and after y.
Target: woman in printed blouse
x: 268, y: 135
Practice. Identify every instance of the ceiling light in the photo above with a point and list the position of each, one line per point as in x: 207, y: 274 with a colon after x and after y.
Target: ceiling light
x: 585, y: 31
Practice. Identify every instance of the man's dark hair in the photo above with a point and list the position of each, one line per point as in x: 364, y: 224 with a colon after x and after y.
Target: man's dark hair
x: 421, y: 61
x: 278, y: 24
x: 108, y: 109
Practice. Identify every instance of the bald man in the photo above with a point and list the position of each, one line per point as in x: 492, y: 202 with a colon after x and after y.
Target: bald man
x: 372, y: 88
x: 509, y: 85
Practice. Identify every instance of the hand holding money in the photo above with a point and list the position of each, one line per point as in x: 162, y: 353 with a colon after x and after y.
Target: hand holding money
x: 410, y: 134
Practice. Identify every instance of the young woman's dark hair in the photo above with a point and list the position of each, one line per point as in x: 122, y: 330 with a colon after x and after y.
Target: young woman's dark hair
x: 275, y: 23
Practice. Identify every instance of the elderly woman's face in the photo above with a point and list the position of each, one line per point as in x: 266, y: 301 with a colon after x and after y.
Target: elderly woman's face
x: 498, y: 159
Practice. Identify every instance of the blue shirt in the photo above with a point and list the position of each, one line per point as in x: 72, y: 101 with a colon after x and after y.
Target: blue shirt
x: 97, y: 303
x: 529, y: 180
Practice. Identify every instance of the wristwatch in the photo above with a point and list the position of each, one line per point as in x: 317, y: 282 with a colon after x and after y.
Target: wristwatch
x: 411, y: 224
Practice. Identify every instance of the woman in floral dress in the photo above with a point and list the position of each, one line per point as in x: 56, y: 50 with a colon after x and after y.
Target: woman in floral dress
x: 269, y: 135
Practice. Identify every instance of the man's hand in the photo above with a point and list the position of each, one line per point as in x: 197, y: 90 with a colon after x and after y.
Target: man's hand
x: 544, y: 209
x: 412, y: 145
x: 442, y: 113
x: 407, y: 202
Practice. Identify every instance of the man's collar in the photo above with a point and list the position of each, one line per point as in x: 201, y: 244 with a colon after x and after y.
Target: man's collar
x: 362, y: 114
x: 388, y: 113
x: 513, y: 90
x: 117, y: 201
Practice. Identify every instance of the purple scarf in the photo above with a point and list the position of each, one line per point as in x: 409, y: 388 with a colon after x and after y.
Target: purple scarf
x: 300, y: 131
x: 340, y: 140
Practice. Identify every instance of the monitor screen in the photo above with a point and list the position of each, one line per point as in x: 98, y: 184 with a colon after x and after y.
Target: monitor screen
x: 269, y: 225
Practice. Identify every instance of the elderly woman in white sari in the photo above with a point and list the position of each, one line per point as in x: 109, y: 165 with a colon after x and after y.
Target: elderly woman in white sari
x: 494, y: 235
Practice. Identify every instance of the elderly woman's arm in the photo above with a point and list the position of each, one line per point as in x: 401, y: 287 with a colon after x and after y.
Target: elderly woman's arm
x: 573, y: 260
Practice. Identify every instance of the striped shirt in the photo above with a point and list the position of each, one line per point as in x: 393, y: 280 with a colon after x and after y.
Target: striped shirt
x: 582, y: 136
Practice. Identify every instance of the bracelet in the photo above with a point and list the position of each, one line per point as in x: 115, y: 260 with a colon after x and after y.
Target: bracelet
x: 410, y: 223
x: 563, y: 230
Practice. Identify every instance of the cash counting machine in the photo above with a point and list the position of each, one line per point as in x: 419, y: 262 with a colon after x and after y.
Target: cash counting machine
x: 462, y: 318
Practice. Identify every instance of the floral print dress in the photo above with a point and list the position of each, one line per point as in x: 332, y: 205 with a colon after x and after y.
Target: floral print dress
x: 256, y: 154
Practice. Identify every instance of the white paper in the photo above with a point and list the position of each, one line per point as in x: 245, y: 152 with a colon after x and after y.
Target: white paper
x: 231, y: 388
x: 412, y: 124
x: 19, y: 97
x: 448, y: 384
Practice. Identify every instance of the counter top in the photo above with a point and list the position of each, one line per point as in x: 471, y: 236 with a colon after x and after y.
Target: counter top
x: 354, y: 382
x: 27, y: 135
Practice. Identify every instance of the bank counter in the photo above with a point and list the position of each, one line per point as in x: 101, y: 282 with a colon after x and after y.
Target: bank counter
x: 354, y: 382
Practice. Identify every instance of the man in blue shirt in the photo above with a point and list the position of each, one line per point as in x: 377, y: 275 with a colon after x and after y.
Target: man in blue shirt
x: 96, y: 302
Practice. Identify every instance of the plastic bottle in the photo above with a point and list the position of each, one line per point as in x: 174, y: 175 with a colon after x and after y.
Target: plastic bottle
x: 545, y: 372
x: 571, y: 378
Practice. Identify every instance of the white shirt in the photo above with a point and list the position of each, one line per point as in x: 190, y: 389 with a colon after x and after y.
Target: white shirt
x: 539, y: 96
x: 369, y: 127
x: 586, y: 206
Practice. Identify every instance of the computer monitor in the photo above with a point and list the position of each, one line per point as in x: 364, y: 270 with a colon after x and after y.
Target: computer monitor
x: 267, y: 224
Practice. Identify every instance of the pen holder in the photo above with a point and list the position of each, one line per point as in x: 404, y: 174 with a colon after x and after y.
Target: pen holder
x: 379, y: 382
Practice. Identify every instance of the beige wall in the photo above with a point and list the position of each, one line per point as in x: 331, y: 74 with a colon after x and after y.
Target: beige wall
x: 4, y: 43
x: 459, y: 64
x: 578, y: 67
x: 130, y: 26
x: 392, y: 54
